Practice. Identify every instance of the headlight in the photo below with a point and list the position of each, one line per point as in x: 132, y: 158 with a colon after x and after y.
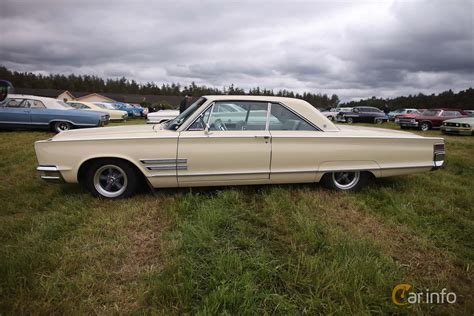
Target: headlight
x: 466, y: 125
x: 457, y: 124
x: 444, y: 123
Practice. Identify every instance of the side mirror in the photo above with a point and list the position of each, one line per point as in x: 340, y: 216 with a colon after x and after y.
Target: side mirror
x: 206, y: 129
x: 4, y: 88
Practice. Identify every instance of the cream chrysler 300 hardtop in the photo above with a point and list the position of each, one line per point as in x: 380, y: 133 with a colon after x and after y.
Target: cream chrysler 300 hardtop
x: 234, y: 140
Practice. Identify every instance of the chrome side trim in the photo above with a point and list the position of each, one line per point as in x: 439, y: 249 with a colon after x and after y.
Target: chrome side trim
x: 163, y: 161
x: 47, y: 168
x: 50, y: 174
x: 174, y: 167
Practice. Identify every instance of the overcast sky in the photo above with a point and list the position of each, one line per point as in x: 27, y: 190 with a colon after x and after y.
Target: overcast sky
x: 352, y: 48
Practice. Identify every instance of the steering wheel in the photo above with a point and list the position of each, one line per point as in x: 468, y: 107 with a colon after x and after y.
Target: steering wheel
x: 220, y: 126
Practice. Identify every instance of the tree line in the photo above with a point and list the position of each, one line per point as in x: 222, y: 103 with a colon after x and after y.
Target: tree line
x: 88, y: 83
x: 464, y: 99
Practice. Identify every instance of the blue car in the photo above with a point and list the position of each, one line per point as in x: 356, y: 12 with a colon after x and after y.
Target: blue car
x: 28, y: 111
x: 131, y: 111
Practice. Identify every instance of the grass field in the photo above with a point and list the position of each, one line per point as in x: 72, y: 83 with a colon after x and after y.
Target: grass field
x: 251, y: 250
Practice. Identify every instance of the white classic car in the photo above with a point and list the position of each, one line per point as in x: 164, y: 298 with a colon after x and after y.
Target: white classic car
x: 161, y: 116
x: 204, y: 146
x: 331, y: 113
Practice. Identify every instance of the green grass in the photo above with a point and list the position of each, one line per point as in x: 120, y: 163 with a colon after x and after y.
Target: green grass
x: 285, y: 249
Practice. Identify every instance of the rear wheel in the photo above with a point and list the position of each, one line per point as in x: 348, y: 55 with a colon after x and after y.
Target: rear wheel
x: 349, y: 120
x: 378, y: 121
x: 59, y: 127
x: 345, y: 180
x: 425, y: 126
x: 331, y: 118
x: 113, y: 179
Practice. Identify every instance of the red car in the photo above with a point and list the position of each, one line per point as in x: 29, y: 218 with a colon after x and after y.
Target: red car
x: 429, y: 119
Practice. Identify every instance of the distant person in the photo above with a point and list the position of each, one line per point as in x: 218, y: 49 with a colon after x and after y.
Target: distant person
x: 184, y: 103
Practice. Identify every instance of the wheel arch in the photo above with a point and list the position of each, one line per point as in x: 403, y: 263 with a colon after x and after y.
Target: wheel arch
x: 87, y: 162
x: 56, y: 120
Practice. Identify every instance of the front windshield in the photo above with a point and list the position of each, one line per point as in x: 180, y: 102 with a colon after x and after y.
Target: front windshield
x: 180, y: 119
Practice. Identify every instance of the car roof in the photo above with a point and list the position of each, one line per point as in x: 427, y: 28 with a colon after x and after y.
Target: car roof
x: 300, y: 106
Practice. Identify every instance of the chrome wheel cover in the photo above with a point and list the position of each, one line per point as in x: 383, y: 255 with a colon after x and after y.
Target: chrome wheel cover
x: 425, y: 127
x: 62, y: 126
x: 346, y: 180
x: 110, y: 181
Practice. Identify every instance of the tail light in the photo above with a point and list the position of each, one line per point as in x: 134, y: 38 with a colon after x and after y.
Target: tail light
x: 438, y: 155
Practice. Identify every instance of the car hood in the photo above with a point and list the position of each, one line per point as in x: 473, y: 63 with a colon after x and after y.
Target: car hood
x: 467, y: 120
x: 372, y: 131
x: 130, y: 131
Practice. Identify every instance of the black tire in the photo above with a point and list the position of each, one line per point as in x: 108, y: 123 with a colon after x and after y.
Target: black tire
x: 60, y: 126
x: 378, y: 121
x: 331, y: 118
x: 120, y: 175
x: 425, y: 126
x: 349, y: 120
x: 333, y: 181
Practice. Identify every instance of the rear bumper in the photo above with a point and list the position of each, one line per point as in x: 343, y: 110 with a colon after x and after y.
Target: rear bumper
x: 50, y: 174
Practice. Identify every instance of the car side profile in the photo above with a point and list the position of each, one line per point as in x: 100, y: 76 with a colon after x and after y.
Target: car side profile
x: 33, y: 112
x: 115, y: 115
x: 362, y: 114
x: 429, y: 119
x: 278, y: 140
x: 392, y: 114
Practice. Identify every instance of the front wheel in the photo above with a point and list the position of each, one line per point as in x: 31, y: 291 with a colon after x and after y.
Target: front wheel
x: 425, y: 126
x: 378, y: 121
x: 349, y: 120
x: 345, y: 180
x: 113, y: 179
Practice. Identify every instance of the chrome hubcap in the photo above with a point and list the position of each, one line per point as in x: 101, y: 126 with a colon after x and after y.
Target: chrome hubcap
x: 110, y: 181
x: 346, y: 180
x: 63, y: 126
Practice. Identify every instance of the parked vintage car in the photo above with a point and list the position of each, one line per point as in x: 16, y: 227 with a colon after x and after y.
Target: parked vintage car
x: 115, y: 115
x: 459, y: 126
x: 392, y: 114
x: 29, y: 111
x: 429, y: 119
x: 161, y: 116
x: 294, y: 144
x: 331, y: 113
x: 131, y: 111
x: 144, y: 111
x: 362, y: 114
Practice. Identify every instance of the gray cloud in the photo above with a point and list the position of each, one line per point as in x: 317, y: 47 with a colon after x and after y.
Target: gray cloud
x: 354, y: 49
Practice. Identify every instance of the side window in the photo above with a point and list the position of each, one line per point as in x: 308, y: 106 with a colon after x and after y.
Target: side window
x: 282, y: 119
x: 16, y: 103
x: 36, y: 104
x: 238, y: 116
x: 449, y: 113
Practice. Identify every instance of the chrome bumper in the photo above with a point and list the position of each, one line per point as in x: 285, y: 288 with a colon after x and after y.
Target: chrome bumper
x: 50, y: 174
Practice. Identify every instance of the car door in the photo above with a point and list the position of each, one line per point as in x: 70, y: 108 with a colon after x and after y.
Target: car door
x: 235, y: 147
x: 295, y: 146
x: 15, y: 112
x: 40, y: 115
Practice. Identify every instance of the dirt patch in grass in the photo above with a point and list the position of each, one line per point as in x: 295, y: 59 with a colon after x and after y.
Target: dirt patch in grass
x: 144, y: 254
x: 423, y: 260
